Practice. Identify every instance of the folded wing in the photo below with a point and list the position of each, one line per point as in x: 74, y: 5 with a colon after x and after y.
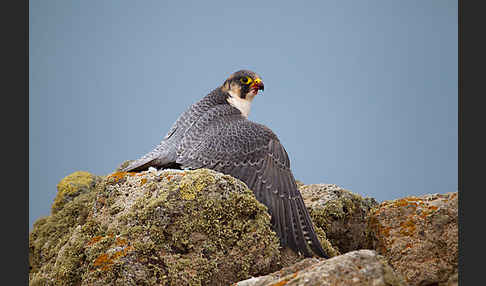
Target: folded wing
x: 252, y: 153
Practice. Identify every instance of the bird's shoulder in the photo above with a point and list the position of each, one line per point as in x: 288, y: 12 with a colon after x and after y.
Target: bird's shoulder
x: 225, y: 124
x: 200, y: 109
x: 230, y: 139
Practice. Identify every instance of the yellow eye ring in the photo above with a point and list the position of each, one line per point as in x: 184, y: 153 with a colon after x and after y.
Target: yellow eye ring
x: 245, y: 80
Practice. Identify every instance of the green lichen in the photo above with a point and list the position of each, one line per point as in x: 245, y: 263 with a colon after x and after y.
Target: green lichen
x: 341, y: 214
x: 326, y: 244
x: 186, y: 228
x: 209, y: 219
x: 55, y: 253
x: 333, y: 210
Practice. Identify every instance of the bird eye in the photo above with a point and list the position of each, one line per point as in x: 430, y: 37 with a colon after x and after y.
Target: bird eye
x: 245, y: 80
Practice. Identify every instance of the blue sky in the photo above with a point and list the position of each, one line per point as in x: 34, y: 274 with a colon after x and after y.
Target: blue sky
x: 362, y: 94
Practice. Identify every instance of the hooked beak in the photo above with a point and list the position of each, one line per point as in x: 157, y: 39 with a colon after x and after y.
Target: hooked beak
x: 257, y: 84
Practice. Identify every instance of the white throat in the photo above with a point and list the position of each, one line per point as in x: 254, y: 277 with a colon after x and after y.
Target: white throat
x: 243, y: 104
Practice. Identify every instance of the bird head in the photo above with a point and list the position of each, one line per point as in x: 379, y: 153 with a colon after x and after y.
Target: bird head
x: 244, y: 84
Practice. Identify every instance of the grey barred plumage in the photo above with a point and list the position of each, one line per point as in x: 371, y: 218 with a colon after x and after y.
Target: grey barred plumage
x: 214, y: 133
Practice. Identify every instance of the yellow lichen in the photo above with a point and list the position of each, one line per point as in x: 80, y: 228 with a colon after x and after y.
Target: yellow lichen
x: 71, y: 186
x: 189, y: 187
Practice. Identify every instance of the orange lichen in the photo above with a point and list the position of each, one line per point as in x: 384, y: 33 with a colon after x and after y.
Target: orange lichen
x: 143, y: 181
x: 433, y: 208
x: 385, y: 231
x: 118, y: 254
x: 283, y: 282
x: 119, y: 176
x: 102, y: 260
x: 106, y: 261
x: 406, y: 202
x: 120, y: 242
x: 382, y: 230
x: 428, y: 210
x: 94, y: 240
x: 408, y: 227
x: 98, y: 238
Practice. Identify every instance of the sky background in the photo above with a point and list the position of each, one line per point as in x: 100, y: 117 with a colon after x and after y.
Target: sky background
x: 362, y: 94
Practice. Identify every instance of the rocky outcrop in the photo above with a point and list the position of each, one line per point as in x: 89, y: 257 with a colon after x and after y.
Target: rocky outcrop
x: 361, y: 267
x: 341, y: 214
x: 419, y: 237
x: 173, y: 227
x: 156, y: 227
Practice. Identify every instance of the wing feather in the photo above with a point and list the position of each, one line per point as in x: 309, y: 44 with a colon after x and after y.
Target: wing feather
x: 252, y: 153
x: 297, y: 233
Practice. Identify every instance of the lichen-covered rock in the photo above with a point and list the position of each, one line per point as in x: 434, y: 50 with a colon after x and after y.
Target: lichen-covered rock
x: 361, y: 267
x: 419, y: 237
x: 452, y: 281
x: 155, y: 228
x: 341, y: 214
x: 72, y: 186
x: 273, y: 278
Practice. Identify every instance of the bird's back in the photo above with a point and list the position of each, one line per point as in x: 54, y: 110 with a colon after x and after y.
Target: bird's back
x: 215, y: 133
x: 165, y: 153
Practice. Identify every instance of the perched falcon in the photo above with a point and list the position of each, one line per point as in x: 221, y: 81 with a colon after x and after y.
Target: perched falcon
x: 215, y: 133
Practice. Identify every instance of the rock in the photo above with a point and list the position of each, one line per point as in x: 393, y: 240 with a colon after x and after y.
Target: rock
x: 452, y: 281
x: 154, y: 228
x: 72, y: 186
x: 361, y: 267
x: 341, y: 214
x: 419, y: 237
x: 174, y: 227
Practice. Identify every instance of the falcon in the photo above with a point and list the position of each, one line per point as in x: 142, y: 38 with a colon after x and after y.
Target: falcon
x: 215, y: 133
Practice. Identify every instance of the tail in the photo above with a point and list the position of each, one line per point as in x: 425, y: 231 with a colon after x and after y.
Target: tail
x: 162, y: 156
x: 305, y: 227
x: 139, y: 165
x: 299, y: 233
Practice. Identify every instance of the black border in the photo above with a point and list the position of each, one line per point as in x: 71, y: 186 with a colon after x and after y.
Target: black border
x: 471, y: 141
x: 15, y: 134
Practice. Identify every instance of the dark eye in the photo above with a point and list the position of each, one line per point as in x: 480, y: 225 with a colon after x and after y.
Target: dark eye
x: 245, y: 80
